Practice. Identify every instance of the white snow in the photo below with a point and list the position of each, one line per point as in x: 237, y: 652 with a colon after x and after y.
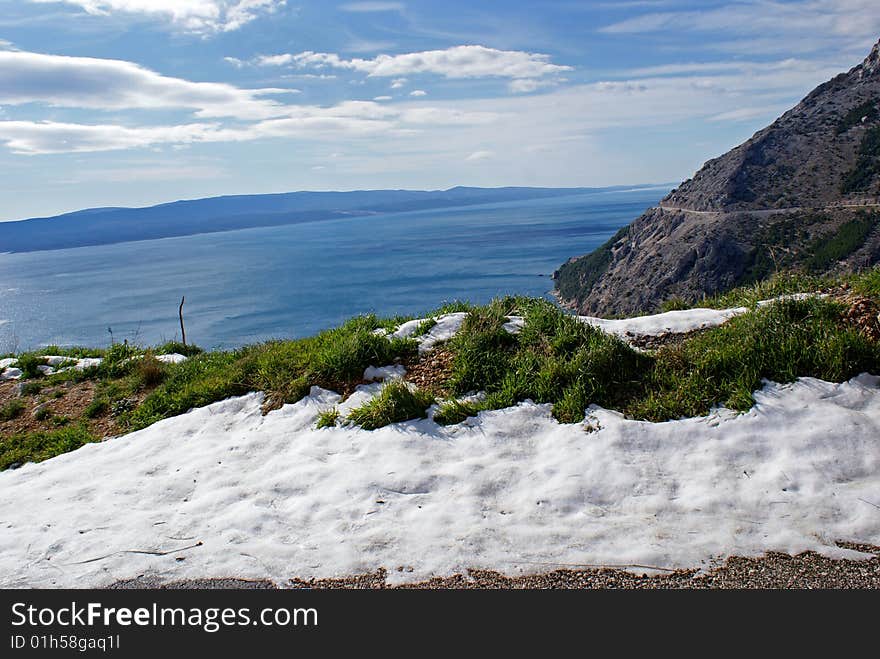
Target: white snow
x: 447, y: 326
x: 514, y: 324
x: 372, y: 373
x: 793, y: 296
x: 86, y: 363
x: 55, y: 361
x: 10, y: 374
x: 680, y: 322
x: 674, y: 322
x: 668, y: 322
x: 59, y: 364
x: 173, y: 358
x: 271, y: 496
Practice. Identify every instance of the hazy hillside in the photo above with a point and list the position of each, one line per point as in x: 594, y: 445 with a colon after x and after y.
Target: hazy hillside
x: 801, y: 193
x: 182, y: 218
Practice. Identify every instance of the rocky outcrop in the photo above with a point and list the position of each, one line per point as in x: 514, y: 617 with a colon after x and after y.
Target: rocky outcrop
x: 802, y: 193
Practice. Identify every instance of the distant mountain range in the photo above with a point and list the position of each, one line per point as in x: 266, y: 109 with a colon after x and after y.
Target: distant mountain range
x: 101, y: 226
x: 803, y: 193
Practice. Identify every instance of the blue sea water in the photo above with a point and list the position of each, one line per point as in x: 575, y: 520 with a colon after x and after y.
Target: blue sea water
x: 291, y: 281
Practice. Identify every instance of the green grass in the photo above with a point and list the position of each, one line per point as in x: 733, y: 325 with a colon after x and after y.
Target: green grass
x: 425, y: 326
x: 456, y: 411
x: 11, y: 410
x: 39, y: 446
x: 867, y: 282
x: 453, y: 306
x: 74, y: 352
x: 780, y: 342
x: 98, y: 407
x: 148, y: 371
x: 396, y: 402
x: 31, y: 388
x: 176, y: 347
x: 787, y: 282
x: 28, y: 363
x: 556, y: 359
x: 285, y: 370
x: 328, y: 418
x: 674, y: 304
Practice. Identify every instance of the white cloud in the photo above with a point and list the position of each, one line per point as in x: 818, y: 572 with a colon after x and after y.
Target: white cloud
x: 454, y: 62
x: 480, y: 155
x: 274, y: 60
x: 397, y: 83
x: 748, y: 113
x: 381, y: 99
x: 803, y: 26
x: 29, y: 137
x: 202, y: 16
x: 415, y: 135
x: 369, y: 7
x: 418, y: 92
x: 351, y: 119
x: 166, y: 171
x: 528, y: 85
x: 85, y: 82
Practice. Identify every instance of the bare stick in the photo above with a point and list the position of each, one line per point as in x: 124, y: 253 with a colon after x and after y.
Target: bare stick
x: 180, y: 313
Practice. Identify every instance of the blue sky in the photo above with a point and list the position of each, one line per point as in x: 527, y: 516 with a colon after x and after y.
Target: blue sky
x: 134, y: 102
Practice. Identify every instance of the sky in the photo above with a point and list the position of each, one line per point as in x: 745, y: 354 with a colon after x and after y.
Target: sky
x: 136, y: 102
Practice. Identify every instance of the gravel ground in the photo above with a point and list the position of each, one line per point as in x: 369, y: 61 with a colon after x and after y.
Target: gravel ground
x: 773, y: 570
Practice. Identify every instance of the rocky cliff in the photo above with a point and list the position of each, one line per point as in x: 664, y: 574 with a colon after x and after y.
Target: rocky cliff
x: 802, y: 193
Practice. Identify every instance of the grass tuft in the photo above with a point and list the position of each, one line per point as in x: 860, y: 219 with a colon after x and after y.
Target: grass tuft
x: 425, y: 326
x: 455, y: 411
x: 328, y: 418
x: 12, y: 410
x: 39, y: 446
x: 396, y: 402
x: 172, y: 347
x: 149, y: 372
x: 555, y: 359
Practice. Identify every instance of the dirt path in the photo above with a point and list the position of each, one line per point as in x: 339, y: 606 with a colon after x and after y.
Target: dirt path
x: 766, y: 212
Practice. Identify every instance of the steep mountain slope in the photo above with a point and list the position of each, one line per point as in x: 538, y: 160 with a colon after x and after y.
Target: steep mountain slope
x: 803, y: 192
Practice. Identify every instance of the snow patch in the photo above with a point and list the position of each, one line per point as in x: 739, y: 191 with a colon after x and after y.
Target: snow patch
x: 447, y: 326
x: 10, y: 374
x: 373, y: 373
x: 173, y: 358
x: 675, y: 322
x: 513, y: 490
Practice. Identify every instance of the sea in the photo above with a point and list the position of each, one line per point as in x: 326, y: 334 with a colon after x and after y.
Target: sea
x: 291, y: 281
